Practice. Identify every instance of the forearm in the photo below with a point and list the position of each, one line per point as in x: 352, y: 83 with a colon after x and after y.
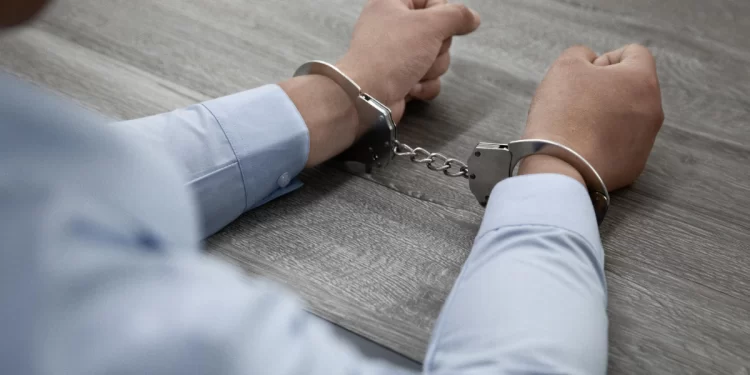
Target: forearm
x: 531, y: 298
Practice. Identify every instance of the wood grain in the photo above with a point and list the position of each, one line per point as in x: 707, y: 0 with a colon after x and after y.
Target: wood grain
x: 378, y: 254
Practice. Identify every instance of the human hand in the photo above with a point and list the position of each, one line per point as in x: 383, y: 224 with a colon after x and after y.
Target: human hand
x: 400, y: 48
x: 606, y: 108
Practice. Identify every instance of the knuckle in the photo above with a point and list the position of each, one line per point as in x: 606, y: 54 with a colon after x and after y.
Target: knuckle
x: 647, y: 81
x: 445, y: 47
x: 445, y: 63
x: 660, y: 117
x: 576, y: 47
x: 566, y: 62
x: 639, y: 49
x: 439, y: 67
x: 647, y: 89
x: 462, y: 9
x: 653, y: 112
x: 579, y: 53
x: 434, y: 92
x: 651, y: 82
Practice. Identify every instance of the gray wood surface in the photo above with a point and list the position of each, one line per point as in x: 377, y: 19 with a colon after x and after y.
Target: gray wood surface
x: 378, y: 254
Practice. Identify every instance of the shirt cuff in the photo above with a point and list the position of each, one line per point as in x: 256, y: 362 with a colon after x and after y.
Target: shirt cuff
x: 545, y: 200
x: 268, y: 137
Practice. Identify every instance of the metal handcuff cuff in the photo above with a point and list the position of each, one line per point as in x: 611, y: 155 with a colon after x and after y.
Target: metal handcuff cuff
x: 488, y: 164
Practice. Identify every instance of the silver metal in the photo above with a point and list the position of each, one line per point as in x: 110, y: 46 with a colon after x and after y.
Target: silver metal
x: 489, y: 164
x: 492, y: 162
x: 435, y: 161
x: 323, y: 68
x: 376, y: 146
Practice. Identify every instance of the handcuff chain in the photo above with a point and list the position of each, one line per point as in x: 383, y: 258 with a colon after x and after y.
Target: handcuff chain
x: 435, y: 161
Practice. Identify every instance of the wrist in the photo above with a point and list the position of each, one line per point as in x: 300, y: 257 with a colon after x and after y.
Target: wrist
x: 536, y: 164
x: 367, y: 78
x: 330, y: 115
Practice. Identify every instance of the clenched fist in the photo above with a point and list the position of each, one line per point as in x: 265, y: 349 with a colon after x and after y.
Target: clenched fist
x: 607, y: 108
x: 399, y: 48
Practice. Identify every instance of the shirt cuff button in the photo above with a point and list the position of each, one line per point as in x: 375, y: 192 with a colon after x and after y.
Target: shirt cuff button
x: 283, y: 180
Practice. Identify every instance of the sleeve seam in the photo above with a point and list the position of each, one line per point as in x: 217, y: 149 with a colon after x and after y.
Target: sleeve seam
x: 231, y: 147
x: 582, y: 237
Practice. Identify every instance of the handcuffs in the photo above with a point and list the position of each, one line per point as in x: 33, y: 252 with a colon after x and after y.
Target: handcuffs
x: 488, y: 164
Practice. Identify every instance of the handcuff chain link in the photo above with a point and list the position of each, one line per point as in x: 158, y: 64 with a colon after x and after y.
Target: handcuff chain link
x: 435, y: 161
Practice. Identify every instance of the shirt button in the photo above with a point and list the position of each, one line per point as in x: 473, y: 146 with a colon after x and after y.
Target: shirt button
x: 283, y: 180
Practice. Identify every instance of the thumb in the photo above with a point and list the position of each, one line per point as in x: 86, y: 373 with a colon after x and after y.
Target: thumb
x: 453, y: 19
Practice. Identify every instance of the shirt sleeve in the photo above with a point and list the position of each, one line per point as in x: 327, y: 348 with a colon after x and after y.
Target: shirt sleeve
x: 102, y: 272
x: 100, y: 268
x: 531, y: 298
x: 238, y: 152
x: 188, y: 316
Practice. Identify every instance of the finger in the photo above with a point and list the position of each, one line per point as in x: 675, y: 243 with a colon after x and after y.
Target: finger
x: 603, y: 60
x: 631, y: 54
x: 446, y: 46
x: 426, y: 90
x: 579, y: 53
x: 439, y: 67
x: 423, y: 4
x: 638, y: 55
x: 453, y: 19
x: 409, y: 3
x: 609, y: 58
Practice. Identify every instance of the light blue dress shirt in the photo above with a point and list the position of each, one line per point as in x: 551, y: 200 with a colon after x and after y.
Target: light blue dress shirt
x: 101, y: 270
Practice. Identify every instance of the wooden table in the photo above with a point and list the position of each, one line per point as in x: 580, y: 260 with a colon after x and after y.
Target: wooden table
x: 378, y: 254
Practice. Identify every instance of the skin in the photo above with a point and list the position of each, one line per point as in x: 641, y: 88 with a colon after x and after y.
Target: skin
x: 607, y: 108
x: 393, y: 67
